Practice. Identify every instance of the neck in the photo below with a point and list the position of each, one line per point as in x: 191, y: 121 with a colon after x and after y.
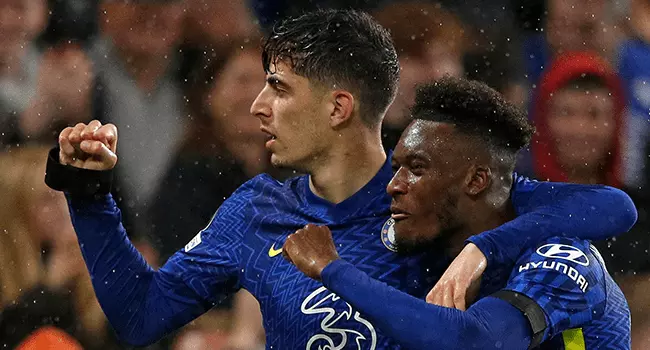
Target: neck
x: 145, y: 69
x: 487, y: 213
x: 349, y: 167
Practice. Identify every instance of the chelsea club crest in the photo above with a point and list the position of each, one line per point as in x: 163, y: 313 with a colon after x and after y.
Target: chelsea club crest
x: 388, y: 235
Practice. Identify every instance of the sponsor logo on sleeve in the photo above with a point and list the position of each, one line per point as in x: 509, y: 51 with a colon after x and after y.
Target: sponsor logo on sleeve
x: 561, y: 252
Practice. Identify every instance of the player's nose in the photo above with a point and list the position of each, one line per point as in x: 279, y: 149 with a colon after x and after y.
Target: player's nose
x: 261, y: 108
x: 397, y: 185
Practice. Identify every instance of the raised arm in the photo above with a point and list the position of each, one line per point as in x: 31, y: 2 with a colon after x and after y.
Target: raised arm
x: 141, y: 304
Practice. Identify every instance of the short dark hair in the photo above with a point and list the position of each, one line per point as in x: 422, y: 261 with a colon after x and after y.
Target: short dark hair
x: 477, y: 110
x: 343, y: 47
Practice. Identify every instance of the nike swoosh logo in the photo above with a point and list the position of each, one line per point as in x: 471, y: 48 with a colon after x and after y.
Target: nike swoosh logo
x: 274, y: 252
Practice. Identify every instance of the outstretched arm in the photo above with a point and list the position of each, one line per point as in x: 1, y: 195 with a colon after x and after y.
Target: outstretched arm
x: 544, y: 210
x: 545, y: 296
x: 550, y: 209
x: 489, y: 324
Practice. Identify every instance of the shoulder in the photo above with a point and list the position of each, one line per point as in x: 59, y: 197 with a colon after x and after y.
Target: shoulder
x: 258, y: 184
x: 566, y: 278
x: 264, y: 189
x: 565, y: 263
x: 265, y: 183
x: 523, y: 186
x: 523, y: 183
x: 574, y: 251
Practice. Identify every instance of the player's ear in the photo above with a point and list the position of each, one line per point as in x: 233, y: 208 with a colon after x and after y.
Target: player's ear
x: 478, y: 179
x: 343, y: 107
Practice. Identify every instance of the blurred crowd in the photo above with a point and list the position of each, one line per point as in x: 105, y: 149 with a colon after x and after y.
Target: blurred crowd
x: 177, y: 77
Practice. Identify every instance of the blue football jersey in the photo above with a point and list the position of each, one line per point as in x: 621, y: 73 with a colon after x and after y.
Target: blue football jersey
x: 584, y: 307
x: 241, y: 248
x: 243, y: 244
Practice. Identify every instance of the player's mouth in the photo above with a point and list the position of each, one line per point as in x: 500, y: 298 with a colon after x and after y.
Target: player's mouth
x: 398, y: 214
x: 270, y: 139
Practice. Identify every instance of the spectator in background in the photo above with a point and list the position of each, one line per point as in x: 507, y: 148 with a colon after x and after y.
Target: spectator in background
x: 210, y: 28
x: 430, y: 43
x: 270, y: 11
x: 248, y: 329
x: 566, y: 26
x: 42, y: 274
x: 244, y: 331
x: 223, y: 149
x: 579, y: 116
x: 65, y: 90
x: 570, y: 25
x: 217, y: 24
x: 21, y: 21
x: 63, y: 94
x: 38, y: 91
x: 136, y: 64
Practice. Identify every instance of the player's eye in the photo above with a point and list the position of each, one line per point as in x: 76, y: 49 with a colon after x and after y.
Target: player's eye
x: 274, y: 82
x: 395, y: 168
x: 417, y: 168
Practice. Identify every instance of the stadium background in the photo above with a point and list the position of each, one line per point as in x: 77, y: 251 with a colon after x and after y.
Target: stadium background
x: 178, y: 76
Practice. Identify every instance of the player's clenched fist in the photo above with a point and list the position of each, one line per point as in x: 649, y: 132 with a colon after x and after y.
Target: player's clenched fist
x: 89, y: 146
x: 311, y: 249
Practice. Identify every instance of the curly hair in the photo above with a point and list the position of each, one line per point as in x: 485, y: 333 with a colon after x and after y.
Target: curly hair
x: 477, y: 110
